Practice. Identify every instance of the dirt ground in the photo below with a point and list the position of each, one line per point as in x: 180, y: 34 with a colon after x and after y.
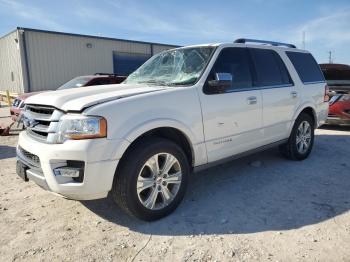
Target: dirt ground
x: 259, y: 208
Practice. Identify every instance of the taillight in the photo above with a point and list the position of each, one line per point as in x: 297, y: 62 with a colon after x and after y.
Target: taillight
x: 326, y: 94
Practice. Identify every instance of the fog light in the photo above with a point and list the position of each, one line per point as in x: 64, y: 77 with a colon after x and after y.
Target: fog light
x: 74, y: 169
x: 67, y: 171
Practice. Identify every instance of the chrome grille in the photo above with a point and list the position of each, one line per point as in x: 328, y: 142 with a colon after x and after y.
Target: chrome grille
x: 40, y: 109
x: 42, y: 122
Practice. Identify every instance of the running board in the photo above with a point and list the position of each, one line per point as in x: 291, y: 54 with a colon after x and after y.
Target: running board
x: 240, y: 155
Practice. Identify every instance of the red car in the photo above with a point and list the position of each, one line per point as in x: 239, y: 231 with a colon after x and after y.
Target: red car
x: 18, y: 104
x: 338, y: 80
x: 80, y: 81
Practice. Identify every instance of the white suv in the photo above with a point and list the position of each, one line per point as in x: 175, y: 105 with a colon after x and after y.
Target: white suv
x: 185, y: 109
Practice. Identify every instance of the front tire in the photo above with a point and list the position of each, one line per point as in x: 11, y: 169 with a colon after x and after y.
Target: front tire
x: 301, y: 139
x: 152, y: 179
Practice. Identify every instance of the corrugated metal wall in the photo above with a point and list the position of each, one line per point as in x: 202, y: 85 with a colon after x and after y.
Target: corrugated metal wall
x: 53, y: 59
x: 11, y: 76
x: 160, y: 48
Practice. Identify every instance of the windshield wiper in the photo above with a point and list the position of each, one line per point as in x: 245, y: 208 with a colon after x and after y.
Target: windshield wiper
x: 156, y: 82
x: 186, y: 82
x: 177, y: 84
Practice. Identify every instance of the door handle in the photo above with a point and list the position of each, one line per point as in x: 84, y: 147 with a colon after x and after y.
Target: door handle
x: 252, y: 100
x: 294, y: 94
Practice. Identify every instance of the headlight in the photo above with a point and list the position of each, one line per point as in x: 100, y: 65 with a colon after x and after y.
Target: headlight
x: 81, y: 127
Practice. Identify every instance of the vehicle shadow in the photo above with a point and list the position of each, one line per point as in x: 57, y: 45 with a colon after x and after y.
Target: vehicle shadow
x: 262, y: 192
x: 7, y: 152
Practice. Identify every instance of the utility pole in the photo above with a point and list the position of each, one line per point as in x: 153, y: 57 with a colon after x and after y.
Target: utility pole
x: 330, y: 59
x: 304, y: 40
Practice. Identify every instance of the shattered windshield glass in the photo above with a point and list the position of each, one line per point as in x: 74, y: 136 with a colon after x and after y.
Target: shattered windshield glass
x: 174, y: 67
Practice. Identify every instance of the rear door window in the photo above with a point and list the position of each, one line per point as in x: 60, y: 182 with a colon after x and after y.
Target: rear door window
x: 270, y: 70
x: 306, y: 67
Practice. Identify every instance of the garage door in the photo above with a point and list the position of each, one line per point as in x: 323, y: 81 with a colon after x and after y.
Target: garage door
x: 126, y: 63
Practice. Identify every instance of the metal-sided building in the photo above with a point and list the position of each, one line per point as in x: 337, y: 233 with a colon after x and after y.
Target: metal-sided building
x: 33, y: 60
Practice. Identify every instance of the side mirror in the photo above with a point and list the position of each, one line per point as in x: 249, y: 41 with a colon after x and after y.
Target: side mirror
x: 221, y: 83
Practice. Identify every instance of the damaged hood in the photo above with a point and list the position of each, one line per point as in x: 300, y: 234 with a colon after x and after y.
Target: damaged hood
x: 76, y: 99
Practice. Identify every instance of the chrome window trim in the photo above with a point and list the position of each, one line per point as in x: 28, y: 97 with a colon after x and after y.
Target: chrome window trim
x: 314, y: 82
x: 254, y: 88
x: 276, y: 86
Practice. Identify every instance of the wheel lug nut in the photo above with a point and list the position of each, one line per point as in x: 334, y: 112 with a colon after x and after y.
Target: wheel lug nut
x: 159, y: 188
x: 164, y: 183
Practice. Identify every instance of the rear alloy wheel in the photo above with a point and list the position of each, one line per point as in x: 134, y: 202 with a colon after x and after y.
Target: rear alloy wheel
x: 152, y: 179
x: 301, y: 139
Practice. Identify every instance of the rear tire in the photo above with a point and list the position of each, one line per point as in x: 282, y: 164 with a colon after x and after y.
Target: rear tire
x: 151, y: 180
x: 301, y: 139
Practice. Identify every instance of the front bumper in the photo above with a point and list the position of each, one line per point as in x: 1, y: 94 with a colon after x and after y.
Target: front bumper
x: 99, y: 156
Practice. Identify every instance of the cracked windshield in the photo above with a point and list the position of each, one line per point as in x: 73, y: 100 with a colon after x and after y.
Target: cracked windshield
x: 175, y: 67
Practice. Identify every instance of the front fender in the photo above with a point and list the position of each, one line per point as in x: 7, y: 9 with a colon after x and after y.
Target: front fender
x: 197, y: 147
x: 146, y: 126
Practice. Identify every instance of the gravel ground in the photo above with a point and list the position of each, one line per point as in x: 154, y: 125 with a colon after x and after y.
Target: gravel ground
x: 259, y: 208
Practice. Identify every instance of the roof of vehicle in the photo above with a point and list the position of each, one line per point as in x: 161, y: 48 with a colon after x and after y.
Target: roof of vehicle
x: 253, y: 43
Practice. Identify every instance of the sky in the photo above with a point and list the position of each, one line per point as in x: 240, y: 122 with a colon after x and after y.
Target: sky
x: 184, y: 22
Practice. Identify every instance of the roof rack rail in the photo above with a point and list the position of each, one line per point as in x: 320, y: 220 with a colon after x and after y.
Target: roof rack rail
x: 246, y: 40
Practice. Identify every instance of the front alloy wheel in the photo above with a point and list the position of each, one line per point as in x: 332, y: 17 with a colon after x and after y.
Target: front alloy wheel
x: 151, y: 179
x: 159, y: 181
